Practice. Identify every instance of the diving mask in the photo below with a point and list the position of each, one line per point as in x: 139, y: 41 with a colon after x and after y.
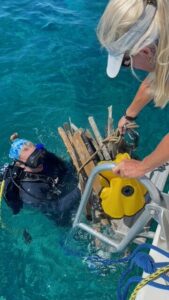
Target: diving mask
x: 35, y: 159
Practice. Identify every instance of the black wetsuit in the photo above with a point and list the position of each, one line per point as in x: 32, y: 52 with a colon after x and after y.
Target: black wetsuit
x: 53, y: 190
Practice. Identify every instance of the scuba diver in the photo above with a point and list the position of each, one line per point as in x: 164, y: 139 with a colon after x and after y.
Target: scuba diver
x: 37, y: 178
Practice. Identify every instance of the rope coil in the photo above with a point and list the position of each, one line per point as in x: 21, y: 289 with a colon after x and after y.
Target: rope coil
x: 115, y: 138
x: 148, y: 279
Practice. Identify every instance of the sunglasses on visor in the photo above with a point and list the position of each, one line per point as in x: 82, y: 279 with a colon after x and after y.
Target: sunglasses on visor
x: 126, y: 62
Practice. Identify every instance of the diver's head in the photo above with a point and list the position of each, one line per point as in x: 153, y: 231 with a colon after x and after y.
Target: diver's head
x: 27, y: 155
x: 136, y: 33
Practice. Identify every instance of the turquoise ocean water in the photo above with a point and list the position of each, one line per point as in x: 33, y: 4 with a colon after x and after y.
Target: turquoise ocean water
x: 52, y: 68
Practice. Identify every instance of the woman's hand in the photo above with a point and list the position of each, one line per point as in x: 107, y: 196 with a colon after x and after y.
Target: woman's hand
x: 122, y: 124
x: 134, y: 168
x: 130, y: 168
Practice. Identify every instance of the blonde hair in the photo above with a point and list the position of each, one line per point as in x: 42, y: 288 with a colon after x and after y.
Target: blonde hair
x: 117, y: 19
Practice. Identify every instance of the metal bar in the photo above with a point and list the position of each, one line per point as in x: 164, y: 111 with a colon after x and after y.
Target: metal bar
x: 121, y: 245
x: 154, y: 194
x: 98, y: 235
x: 134, y: 230
x: 149, y: 212
x: 88, y: 189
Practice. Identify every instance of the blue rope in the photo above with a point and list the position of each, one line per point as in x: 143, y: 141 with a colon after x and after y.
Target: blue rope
x: 108, y: 262
x: 140, y: 259
x: 147, y: 264
x: 136, y: 280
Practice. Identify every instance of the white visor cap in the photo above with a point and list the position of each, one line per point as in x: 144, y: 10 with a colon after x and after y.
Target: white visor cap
x: 114, y: 64
x: 117, y: 49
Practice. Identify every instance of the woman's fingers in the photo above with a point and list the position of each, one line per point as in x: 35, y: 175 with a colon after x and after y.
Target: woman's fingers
x: 129, y: 168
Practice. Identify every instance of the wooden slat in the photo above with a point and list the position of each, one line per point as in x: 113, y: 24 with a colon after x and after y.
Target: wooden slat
x: 110, y: 128
x: 110, y: 131
x: 84, y: 156
x: 95, y: 144
x: 69, y: 147
x: 99, y: 138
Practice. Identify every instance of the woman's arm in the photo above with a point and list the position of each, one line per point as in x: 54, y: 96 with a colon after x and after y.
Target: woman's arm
x: 133, y: 168
x: 159, y: 156
x: 142, y: 98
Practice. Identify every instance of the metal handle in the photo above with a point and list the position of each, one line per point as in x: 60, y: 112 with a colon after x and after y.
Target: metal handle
x: 154, y: 193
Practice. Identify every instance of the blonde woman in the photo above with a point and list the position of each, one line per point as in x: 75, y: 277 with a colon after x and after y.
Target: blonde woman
x: 136, y: 34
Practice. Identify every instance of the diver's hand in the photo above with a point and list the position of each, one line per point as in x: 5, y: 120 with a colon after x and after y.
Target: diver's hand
x: 122, y: 124
x: 130, y: 168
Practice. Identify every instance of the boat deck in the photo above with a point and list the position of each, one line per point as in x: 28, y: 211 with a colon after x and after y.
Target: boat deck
x: 148, y: 292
